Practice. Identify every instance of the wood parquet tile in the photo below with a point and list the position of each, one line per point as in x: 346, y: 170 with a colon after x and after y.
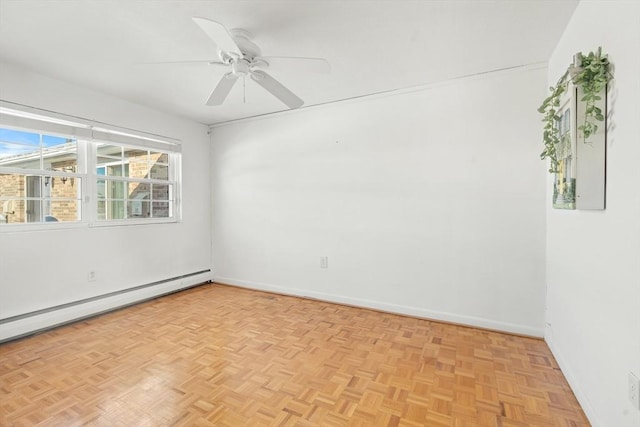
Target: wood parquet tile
x: 222, y: 356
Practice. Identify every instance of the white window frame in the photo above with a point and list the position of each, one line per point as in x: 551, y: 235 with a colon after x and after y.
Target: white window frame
x: 89, y: 135
x: 46, y: 174
x: 173, y: 181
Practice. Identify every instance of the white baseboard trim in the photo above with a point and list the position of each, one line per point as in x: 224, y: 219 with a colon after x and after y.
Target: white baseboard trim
x: 30, y: 323
x: 586, y: 405
x: 387, y: 307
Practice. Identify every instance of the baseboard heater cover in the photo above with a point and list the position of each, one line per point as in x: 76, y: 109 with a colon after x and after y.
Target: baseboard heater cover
x: 183, y: 282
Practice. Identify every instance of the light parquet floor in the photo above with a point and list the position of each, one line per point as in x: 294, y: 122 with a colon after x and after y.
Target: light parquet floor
x: 223, y: 356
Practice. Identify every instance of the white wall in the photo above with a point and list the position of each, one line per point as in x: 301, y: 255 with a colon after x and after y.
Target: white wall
x: 593, y: 258
x: 41, y: 269
x: 428, y: 202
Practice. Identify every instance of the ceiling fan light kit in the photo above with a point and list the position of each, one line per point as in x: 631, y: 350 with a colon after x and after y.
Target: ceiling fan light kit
x: 244, y: 57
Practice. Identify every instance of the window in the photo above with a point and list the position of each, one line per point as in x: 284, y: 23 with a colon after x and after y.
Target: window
x: 38, y: 178
x: 53, y: 170
x: 133, y: 183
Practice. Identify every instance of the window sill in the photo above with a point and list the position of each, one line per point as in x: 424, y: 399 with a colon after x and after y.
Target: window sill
x: 126, y: 222
x: 49, y: 226
x: 39, y: 226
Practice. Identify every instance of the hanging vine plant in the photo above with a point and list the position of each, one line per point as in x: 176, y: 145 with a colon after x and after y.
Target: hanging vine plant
x: 590, y: 72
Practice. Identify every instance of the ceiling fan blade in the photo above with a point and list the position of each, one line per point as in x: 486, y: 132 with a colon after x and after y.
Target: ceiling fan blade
x: 307, y: 65
x: 222, y: 89
x: 187, y: 62
x: 272, y: 85
x: 219, y: 34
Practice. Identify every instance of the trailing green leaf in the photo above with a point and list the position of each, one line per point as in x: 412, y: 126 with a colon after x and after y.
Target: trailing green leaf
x: 551, y: 134
x: 592, y: 73
x: 594, y: 76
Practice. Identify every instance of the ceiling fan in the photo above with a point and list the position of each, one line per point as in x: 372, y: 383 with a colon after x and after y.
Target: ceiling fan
x: 237, y: 52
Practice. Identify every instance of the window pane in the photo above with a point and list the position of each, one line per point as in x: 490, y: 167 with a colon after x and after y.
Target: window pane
x: 33, y: 212
x: 115, y: 209
x: 161, y: 192
x: 20, y: 137
x: 160, y: 172
x: 115, y: 189
x: 160, y: 210
x: 64, y: 188
x: 139, y: 190
x: 111, y: 195
x: 20, y: 198
x: 159, y: 157
x: 61, y: 157
x: 62, y: 211
x: 138, y: 209
x: 12, y: 184
x: 19, y: 156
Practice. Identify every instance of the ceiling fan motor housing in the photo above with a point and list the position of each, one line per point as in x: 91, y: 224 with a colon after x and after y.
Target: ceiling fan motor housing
x: 240, y: 67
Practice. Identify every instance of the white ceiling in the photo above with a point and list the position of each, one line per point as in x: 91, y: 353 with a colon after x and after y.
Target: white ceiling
x: 372, y: 46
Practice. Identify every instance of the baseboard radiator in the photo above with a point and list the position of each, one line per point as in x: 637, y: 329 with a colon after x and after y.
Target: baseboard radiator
x: 36, y: 321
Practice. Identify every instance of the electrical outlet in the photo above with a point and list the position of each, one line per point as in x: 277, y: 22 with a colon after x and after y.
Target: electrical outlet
x: 634, y: 390
x: 324, y: 262
x: 91, y: 277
